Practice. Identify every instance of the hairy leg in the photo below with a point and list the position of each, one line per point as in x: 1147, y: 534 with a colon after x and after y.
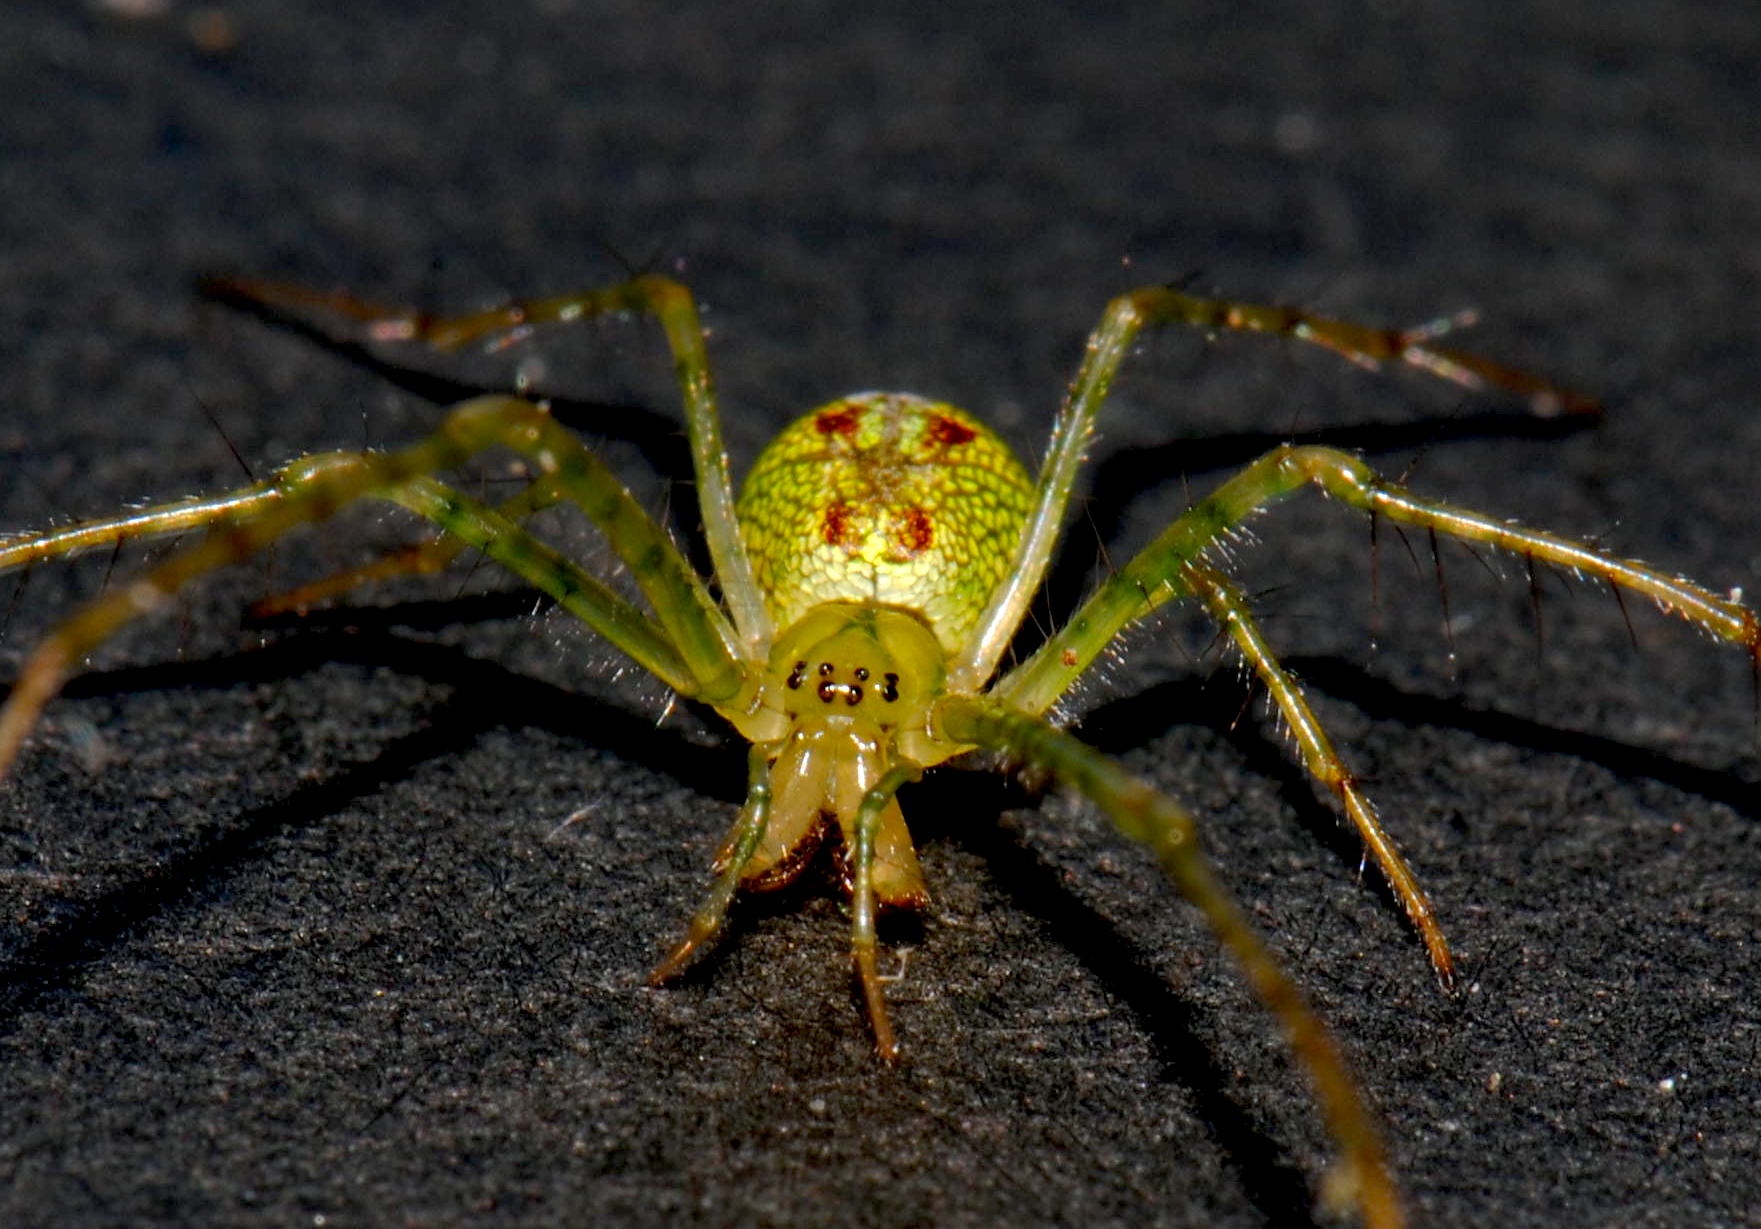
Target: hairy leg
x: 685, y: 643
x: 668, y: 302
x: 1174, y: 566
x: 1153, y: 306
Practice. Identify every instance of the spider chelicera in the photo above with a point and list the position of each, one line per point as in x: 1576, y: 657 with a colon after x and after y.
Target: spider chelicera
x: 867, y: 583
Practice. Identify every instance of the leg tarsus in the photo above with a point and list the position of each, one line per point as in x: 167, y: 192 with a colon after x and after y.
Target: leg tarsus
x: 886, y: 1043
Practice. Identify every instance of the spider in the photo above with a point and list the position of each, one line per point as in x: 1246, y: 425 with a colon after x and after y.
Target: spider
x: 868, y: 581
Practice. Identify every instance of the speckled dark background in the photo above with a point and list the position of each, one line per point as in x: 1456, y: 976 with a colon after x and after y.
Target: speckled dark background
x: 292, y: 929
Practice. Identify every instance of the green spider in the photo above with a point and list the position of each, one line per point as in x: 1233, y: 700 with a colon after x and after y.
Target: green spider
x: 867, y: 585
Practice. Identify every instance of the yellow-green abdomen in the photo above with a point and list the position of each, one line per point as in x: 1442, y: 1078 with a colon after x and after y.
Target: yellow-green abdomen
x: 889, y: 498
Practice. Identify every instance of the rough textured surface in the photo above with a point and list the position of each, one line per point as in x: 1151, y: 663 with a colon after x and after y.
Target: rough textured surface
x: 291, y: 922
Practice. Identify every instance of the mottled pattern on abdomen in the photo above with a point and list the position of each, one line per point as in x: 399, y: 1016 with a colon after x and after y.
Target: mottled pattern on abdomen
x: 889, y: 498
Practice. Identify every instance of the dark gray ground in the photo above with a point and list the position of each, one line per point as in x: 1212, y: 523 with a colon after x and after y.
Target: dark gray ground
x: 290, y: 929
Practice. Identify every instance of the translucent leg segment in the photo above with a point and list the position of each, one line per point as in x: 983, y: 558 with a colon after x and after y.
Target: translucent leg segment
x: 1361, y: 1179
x: 707, y: 922
x: 862, y: 906
x: 685, y: 645
x: 575, y: 590
x: 672, y: 307
x: 1126, y: 317
x: 163, y: 520
x: 1227, y: 605
x: 415, y: 559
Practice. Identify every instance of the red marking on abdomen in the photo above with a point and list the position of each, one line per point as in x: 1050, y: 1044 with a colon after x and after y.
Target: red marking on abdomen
x: 947, y: 432
x: 836, y: 526
x: 838, y: 422
x: 912, y: 532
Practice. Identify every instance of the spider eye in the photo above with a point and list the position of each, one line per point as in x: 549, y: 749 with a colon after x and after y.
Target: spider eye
x: 825, y: 669
x: 797, y: 675
x: 889, y: 687
x: 861, y: 673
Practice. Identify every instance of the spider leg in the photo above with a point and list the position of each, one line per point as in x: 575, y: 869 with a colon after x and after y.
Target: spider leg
x: 1223, y: 598
x: 672, y: 307
x: 862, y: 904
x: 1158, y: 572
x: 680, y: 602
x: 162, y: 520
x: 1361, y: 1179
x: 424, y: 558
x: 748, y: 830
x: 684, y: 644
x: 1127, y: 316
x: 1172, y: 566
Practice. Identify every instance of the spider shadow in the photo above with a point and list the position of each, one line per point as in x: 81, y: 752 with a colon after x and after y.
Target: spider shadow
x: 1384, y: 700
x: 1217, y: 703
x: 484, y: 696
x: 1184, y: 1049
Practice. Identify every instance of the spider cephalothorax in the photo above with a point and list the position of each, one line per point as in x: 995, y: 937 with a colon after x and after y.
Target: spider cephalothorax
x: 866, y: 587
x: 878, y: 528
x: 850, y: 689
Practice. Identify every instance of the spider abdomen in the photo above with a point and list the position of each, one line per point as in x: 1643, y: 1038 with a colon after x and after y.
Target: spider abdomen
x: 887, y: 498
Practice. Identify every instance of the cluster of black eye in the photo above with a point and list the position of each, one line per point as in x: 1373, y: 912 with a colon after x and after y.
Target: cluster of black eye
x: 829, y: 688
